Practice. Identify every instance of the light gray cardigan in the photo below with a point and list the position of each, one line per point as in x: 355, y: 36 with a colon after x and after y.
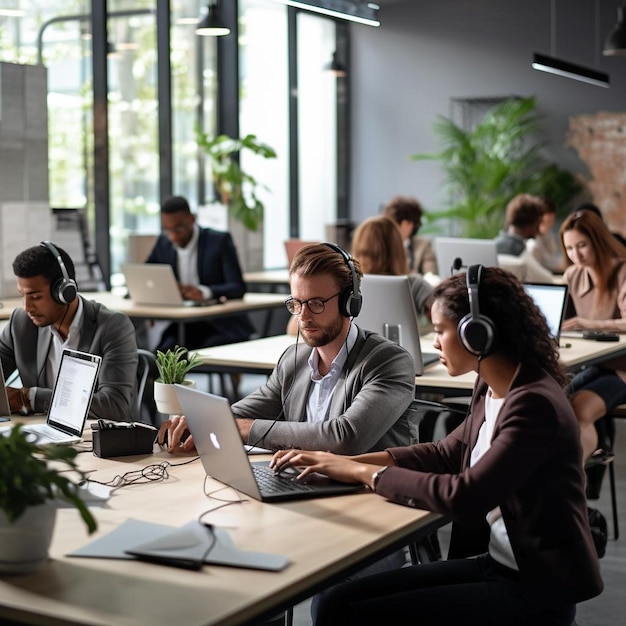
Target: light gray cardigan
x: 376, y: 387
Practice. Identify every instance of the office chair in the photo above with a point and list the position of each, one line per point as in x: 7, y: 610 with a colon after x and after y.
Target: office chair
x: 146, y: 363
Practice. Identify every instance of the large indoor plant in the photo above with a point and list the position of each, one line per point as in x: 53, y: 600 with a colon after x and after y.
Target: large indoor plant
x: 487, y: 165
x: 238, y: 190
x: 33, y: 479
x: 173, y: 366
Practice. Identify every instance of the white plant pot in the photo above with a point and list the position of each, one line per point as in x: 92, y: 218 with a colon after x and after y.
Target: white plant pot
x: 24, y: 544
x: 166, y: 399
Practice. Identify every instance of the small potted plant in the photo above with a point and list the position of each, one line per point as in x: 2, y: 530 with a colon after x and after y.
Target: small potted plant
x: 33, y: 480
x: 173, y: 366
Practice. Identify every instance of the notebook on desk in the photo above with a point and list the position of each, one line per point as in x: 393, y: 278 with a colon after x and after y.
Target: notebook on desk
x: 70, y: 401
x: 155, y: 284
x: 216, y: 436
x: 389, y: 310
x: 551, y: 300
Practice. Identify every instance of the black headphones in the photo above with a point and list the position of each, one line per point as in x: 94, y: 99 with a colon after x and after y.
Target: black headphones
x: 350, y: 298
x: 63, y: 290
x: 477, y: 332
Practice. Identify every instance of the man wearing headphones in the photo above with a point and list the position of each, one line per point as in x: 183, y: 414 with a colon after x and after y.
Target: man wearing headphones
x: 346, y: 390
x: 53, y: 317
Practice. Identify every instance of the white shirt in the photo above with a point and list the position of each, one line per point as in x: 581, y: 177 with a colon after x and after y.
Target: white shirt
x: 323, y: 387
x: 188, y: 264
x: 499, y: 544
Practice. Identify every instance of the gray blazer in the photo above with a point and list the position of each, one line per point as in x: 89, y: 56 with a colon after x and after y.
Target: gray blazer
x: 103, y: 332
x: 367, y: 408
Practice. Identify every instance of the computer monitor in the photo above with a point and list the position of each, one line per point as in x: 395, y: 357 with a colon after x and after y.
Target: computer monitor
x: 551, y: 300
x: 467, y: 251
x: 389, y: 310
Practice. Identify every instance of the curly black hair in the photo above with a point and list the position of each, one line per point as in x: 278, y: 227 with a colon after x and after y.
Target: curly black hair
x: 521, y: 329
x: 40, y: 261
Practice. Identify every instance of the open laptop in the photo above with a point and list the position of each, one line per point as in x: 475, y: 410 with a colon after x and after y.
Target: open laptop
x: 551, y: 300
x: 214, y: 430
x: 467, y: 251
x: 389, y: 310
x: 71, y: 398
x: 155, y: 284
x: 5, y: 407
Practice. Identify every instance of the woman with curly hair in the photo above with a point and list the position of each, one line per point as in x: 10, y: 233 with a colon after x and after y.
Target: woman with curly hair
x: 509, y: 477
x: 596, y: 279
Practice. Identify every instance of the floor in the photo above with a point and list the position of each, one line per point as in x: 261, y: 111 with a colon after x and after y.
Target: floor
x: 605, y: 610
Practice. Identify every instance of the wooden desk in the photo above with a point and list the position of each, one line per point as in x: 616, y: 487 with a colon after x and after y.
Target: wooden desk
x: 261, y: 355
x: 179, y: 314
x: 323, y: 538
x: 273, y: 278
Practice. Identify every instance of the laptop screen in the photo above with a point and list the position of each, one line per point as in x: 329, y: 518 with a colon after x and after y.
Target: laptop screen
x: 551, y: 302
x: 73, y: 390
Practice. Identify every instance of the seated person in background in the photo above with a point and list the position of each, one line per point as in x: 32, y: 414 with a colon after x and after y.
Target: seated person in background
x: 544, y: 246
x: 596, y: 280
x: 407, y: 213
x: 346, y: 390
x: 377, y: 244
x: 589, y: 206
x: 53, y: 317
x: 509, y: 477
x: 523, y: 216
x: 206, y: 265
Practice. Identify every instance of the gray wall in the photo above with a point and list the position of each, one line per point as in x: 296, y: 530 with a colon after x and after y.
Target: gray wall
x: 428, y: 51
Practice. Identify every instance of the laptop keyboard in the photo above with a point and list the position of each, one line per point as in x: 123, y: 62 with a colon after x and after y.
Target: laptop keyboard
x: 269, y: 483
x: 49, y: 433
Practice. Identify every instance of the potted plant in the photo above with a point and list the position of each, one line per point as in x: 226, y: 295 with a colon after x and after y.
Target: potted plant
x: 237, y: 189
x: 32, y: 481
x: 173, y: 366
x: 489, y: 164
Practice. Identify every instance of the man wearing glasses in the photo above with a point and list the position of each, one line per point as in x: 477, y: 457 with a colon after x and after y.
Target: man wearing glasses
x: 206, y: 266
x: 345, y: 390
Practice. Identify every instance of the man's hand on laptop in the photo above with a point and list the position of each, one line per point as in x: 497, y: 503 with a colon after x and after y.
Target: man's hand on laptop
x: 174, y: 435
x: 191, y: 292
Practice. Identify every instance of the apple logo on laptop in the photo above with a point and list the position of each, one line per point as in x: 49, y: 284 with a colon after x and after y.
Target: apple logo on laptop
x: 150, y: 284
x: 214, y: 441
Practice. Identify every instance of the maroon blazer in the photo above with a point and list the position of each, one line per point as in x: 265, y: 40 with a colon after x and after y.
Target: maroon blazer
x: 533, y: 471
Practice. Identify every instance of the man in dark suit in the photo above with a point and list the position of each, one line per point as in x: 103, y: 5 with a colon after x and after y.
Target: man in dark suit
x: 206, y: 266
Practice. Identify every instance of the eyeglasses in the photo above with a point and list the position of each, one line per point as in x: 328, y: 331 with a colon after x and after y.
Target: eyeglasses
x: 177, y: 230
x: 315, y: 305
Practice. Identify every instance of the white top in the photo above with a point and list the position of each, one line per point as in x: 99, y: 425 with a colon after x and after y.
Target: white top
x: 188, y: 264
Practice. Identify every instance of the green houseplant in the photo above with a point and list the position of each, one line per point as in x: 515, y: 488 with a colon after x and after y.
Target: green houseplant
x: 32, y: 481
x: 237, y: 189
x: 489, y: 164
x: 173, y: 366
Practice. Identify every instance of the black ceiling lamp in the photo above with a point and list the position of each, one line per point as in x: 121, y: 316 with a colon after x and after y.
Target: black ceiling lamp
x: 552, y: 65
x: 615, y: 44
x: 336, y: 67
x: 211, y: 25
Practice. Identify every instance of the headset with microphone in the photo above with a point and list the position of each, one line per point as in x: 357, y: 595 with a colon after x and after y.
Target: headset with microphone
x: 64, y: 290
x: 476, y: 332
x: 350, y: 298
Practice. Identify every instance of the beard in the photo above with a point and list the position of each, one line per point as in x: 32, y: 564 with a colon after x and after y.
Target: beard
x: 325, y: 334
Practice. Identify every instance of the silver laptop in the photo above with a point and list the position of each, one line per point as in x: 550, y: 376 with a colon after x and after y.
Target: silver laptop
x: 216, y: 436
x: 155, y: 284
x: 389, y: 310
x: 551, y: 300
x: 71, y: 398
x: 456, y: 254
x: 5, y: 407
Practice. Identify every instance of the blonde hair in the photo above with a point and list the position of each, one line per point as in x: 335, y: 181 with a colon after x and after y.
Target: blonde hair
x: 377, y: 243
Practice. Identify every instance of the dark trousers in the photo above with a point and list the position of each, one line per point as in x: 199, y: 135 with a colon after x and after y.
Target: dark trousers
x: 461, y: 591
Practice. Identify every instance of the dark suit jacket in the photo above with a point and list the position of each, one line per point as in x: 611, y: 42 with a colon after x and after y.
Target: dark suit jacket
x: 532, y: 471
x: 218, y: 269
x: 106, y: 333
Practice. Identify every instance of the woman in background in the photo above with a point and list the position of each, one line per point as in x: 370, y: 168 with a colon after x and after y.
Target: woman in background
x: 377, y: 243
x: 596, y: 279
x: 509, y: 477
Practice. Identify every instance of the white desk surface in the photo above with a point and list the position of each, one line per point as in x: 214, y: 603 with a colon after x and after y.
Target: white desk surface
x: 264, y: 353
x: 268, y: 277
x: 250, y: 302
x: 321, y: 537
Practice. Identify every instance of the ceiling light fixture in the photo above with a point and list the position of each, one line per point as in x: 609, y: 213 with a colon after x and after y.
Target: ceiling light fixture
x: 336, y: 67
x: 552, y: 65
x: 615, y: 44
x: 211, y: 25
x: 351, y: 10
